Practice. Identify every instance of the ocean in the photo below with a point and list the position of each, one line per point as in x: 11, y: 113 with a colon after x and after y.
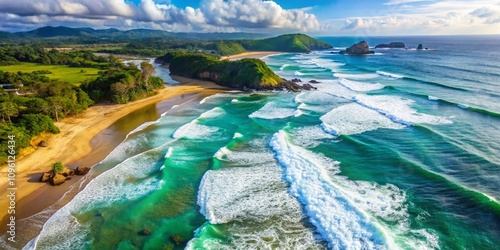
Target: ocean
x: 395, y: 150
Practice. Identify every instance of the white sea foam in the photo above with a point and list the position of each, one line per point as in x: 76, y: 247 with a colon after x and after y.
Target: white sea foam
x: 398, y: 109
x: 356, y: 76
x: 255, y: 195
x: 327, y: 64
x: 234, y: 101
x: 284, y: 66
x: 169, y: 152
x: 298, y: 73
x: 194, y: 130
x: 141, y: 127
x: 432, y: 98
x: 346, y: 213
x: 391, y: 75
x: 336, y: 218
x: 272, y: 111
x: 215, y: 112
x: 355, y: 119
x: 462, y: 106
x: 237, y: 135
x: 360, y: 86
x: 309, y: 136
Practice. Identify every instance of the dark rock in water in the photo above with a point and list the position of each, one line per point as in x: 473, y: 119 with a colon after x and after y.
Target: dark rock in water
x: 81, y: 170
x: 358, y: 49
x: 314, y: 81
x: 45, y: 176
x: 43, y: 144
x: 296, y: 80
x: 177, y: 239
x: 57, y: 179
x: 420, y: 47
x: 145, y: 232
x: 393, y: 45
x: 307, y: 86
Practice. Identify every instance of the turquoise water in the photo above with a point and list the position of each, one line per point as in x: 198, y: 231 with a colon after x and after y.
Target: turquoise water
x: 397, y: 150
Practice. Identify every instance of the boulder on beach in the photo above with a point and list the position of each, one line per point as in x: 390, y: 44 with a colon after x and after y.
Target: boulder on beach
x: 81, y: 170
x: 45, y: 176
x: 57, y: 179
x: 43, y: 144
x: 392, y: 45
x: 358, y: 49
x: 420, y: 47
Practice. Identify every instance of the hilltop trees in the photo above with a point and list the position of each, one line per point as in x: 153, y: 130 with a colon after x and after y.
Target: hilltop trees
x: 122, y: 84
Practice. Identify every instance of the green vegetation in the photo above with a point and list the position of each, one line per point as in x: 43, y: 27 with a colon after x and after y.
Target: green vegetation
x: 58, y: 167
x: 283, y: 43
x: 42, y: 93
x: 122, y: 84
x: 73, y: 75
x: 249, y: 73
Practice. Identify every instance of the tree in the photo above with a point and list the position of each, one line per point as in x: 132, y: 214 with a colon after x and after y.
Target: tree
x: 58, y: 167
x: 8, y: 109
x: 35, y: 124
x: 147, y: 71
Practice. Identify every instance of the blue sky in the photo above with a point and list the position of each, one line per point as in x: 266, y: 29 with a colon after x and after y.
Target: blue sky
x: 315, y: 17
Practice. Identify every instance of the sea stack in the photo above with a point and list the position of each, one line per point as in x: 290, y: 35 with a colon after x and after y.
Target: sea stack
x: 420, y: 47
x: 358, y: 49
x: 392, y: 45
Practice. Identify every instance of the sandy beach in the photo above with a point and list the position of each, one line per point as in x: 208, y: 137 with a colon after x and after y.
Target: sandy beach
x: 251, y: 54
x: 75, y: 143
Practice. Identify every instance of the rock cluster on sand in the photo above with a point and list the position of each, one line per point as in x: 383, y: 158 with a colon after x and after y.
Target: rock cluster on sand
x: 392, y: 45
x: 358, y: 49
x: 57, y: 179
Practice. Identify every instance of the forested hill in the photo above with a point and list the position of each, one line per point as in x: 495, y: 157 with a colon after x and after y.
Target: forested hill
x: 286, y: 43
x: 115, y: 34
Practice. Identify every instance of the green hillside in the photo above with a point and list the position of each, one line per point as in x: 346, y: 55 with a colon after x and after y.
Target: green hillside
x: 286, y: 43
x: 249, y: 73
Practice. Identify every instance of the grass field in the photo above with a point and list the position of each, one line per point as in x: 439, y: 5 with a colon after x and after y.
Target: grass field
x: 60, y: 72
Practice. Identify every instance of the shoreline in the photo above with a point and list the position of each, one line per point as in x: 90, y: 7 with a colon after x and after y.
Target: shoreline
x: 84, y: 140
x: 251, y: 54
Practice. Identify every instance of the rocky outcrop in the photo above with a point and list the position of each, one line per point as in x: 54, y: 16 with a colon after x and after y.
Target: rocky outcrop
x: 45, y: 176
x: 358, y: 49
x: 57, y: 179
x: 420, y: 47
x: 314, y: 81
x: 392, y: 45
x: 43, y: 144
x: 307, y: 86
x: 81, y: 170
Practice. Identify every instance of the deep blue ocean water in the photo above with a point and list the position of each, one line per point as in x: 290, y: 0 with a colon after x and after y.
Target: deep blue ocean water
x: 396, y: 150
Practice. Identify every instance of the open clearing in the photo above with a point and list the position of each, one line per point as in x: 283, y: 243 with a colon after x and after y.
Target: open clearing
x: 74, y: 75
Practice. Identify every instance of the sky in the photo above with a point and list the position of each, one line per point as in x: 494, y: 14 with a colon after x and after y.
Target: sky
x: 314, y: 17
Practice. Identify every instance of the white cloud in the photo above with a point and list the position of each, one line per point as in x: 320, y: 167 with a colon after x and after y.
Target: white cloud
x: 212, y: 15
